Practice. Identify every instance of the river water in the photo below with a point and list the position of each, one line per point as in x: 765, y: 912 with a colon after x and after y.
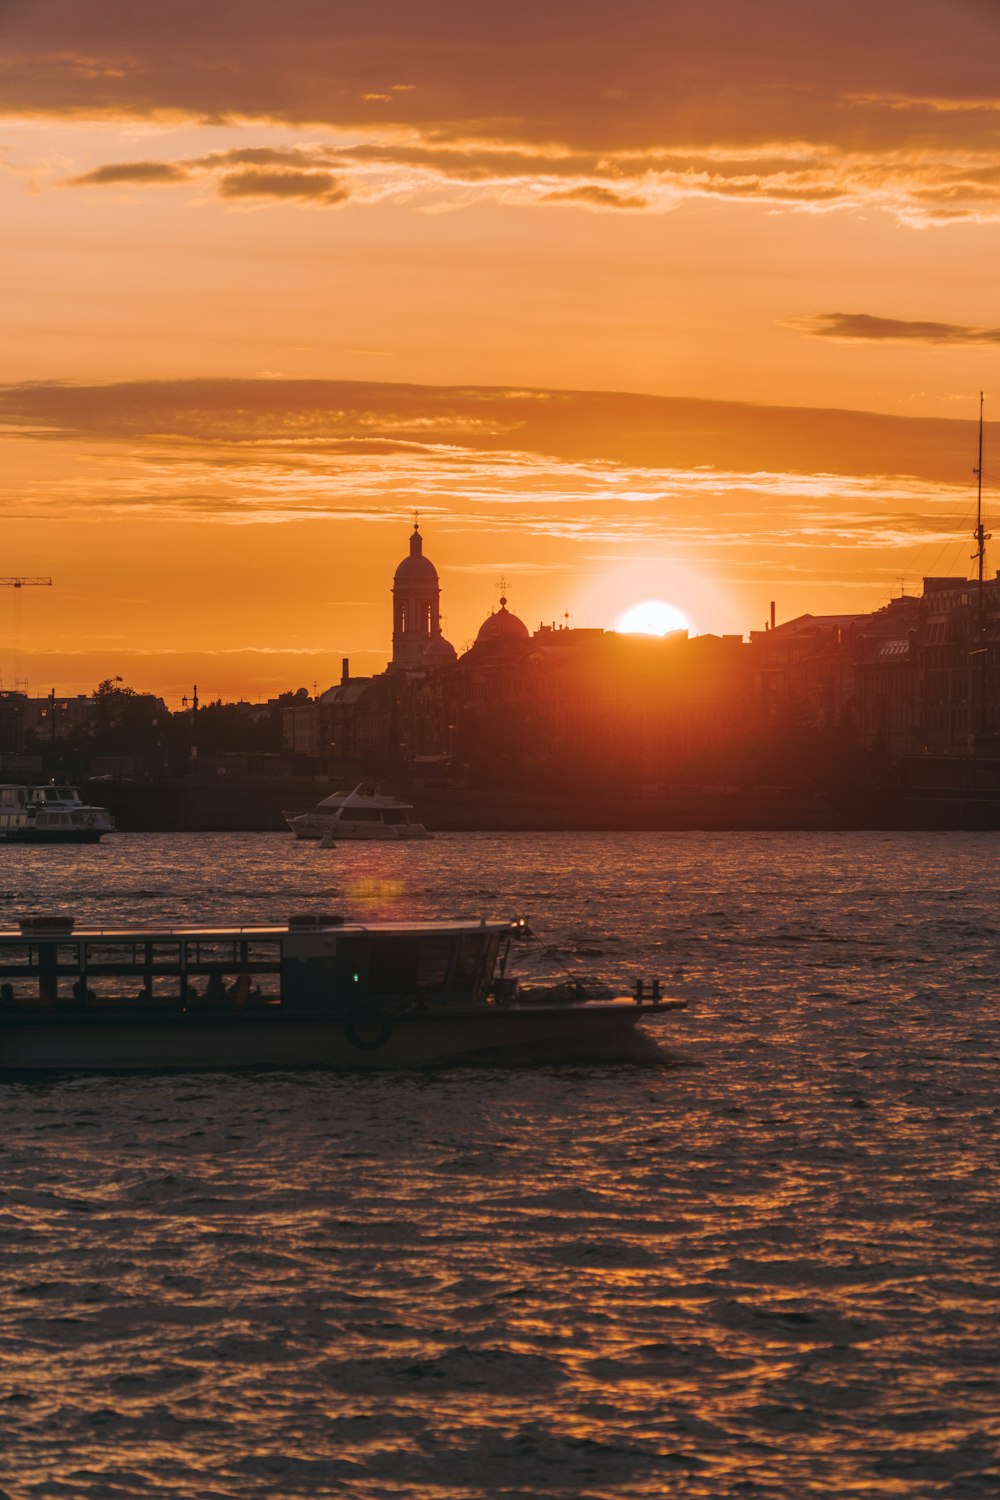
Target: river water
x: 766, y: 1267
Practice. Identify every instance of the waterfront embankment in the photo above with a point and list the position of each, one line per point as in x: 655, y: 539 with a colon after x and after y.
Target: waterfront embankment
x: 924, y: 793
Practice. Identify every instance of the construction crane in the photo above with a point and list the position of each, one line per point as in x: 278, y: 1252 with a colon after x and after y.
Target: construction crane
x: 21, y: 581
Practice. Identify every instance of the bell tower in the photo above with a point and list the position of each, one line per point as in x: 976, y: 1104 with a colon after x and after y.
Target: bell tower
x: 416, y: 608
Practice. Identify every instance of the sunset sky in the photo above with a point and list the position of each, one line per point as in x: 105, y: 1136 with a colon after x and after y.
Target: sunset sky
x: 652, y: 300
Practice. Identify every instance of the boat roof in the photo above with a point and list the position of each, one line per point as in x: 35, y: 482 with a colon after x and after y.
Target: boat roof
x: 348, y: 800
x: 59, y: 933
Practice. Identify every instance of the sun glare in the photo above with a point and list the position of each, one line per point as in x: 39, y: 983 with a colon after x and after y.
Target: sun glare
x: 652, y: 617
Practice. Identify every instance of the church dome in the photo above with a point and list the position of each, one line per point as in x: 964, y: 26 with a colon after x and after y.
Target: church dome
x: 501, y: 626
x: 416, y: 569
x: 439, y: 652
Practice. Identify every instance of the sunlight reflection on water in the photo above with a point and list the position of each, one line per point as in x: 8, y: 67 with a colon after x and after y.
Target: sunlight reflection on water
x: 768, y: 1270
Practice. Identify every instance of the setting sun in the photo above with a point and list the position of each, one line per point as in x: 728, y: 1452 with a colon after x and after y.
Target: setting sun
x: 652, y: 617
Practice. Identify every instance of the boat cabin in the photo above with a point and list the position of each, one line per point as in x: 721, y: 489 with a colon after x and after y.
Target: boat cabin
x: 57, y: 796
x: 313, y: 966
x: 390, y: 816
x: 13, y: 806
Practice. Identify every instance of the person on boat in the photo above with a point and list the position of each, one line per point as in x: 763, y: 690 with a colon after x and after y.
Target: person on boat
x: 82, y: 992
x: 215, y: 990
x: 7, y: 995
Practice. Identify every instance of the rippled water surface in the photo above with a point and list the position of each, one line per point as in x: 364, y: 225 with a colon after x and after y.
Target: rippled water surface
x: 767, y: 1267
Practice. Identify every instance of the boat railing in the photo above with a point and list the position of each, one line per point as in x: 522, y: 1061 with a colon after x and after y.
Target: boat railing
x: 55, y: 969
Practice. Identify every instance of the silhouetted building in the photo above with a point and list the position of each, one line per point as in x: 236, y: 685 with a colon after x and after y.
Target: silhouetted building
x: 592, y: 706
x: 957, y: 656
x: 805, y: 670
x: 416, y: 621
x: 561, y: 707
x: 887, y: 697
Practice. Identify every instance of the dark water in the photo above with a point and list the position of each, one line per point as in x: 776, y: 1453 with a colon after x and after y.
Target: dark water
x: 766, y: 1269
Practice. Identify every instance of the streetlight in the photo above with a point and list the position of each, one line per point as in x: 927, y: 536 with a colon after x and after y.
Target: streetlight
x: 194, y: 720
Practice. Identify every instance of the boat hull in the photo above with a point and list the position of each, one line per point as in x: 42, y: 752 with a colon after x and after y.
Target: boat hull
x: 368, y: 1039
x: 358, y: 834
x: 53, y: 836
x: 327, y: 829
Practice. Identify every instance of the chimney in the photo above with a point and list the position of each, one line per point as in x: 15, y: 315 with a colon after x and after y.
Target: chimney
x: 345, y: 670
x: 772, y: 614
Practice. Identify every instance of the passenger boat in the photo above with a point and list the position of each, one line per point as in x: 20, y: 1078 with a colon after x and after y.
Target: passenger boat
x: 320, y: 991
x: 50, y: 814
x: 364, y: 813
x: 13, y: 809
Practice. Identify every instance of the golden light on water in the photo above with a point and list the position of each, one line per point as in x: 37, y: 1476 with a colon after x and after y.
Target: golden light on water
x: 373, y: 891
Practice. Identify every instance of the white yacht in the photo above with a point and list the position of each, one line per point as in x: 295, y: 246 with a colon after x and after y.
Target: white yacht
x: 52, y: 814
x: 364, y: 813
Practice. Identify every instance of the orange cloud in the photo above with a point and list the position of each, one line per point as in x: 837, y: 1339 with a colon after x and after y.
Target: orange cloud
x: 145, y: 172
x: 316, y: 187
x: 935, y: 187
x: 802, y: 106
x: 333, y: 416
x: 597, y: 197
x: 860, y: 327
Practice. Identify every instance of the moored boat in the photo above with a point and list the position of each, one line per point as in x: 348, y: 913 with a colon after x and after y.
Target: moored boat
x: 320, y: 991
x: 364, y: 813
x: 13, y: 809
x: 51, y: 814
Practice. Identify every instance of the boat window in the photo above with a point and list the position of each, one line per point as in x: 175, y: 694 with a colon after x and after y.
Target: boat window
x: 432, y: 963
x: 37, y: 974
x: 362, y: 814
x: 488, y: 959
x: 120, y: 972
x: 201, y: 955
x: 14, y: 957
x: 145, y: 987
x: 163, y: 955
x: 104, y: 957
x: 394, y: 815
x: 231, y: 975
x: 466, y: 960
x: 263, y: 956
x: 475, y: 961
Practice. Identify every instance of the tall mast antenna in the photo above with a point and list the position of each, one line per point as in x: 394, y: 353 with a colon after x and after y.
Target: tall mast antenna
x: 982, y: 537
